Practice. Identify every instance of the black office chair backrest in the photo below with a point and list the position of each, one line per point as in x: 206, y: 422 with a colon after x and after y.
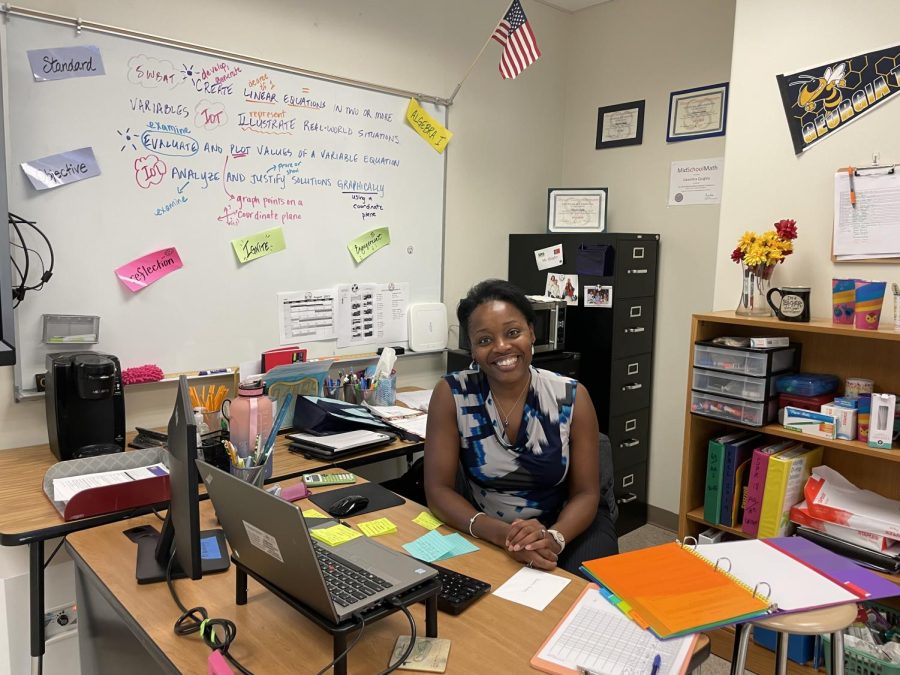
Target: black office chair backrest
x: 607, y: 477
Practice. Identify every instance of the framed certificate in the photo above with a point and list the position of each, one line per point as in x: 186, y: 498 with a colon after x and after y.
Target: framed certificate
x: 576, y: 209
x: 697, y: 113
x: 621, y: 124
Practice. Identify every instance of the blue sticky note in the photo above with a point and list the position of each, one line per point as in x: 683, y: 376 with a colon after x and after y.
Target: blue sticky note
x: 429, y: 547
x: 459, y: 545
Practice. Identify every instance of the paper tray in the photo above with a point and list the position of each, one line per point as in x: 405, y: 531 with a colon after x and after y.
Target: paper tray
x: 109, y: 498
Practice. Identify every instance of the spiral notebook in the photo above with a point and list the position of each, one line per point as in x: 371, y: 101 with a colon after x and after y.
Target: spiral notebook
x: 675, y: 589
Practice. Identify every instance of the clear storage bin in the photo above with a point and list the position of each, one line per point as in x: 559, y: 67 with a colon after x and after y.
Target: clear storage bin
x: 743, y: 361
x: 729, y: 384
x: 734, y: 409
x: 66, y: 328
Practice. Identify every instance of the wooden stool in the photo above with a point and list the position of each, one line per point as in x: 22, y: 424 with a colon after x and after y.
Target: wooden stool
x: 816, y: 622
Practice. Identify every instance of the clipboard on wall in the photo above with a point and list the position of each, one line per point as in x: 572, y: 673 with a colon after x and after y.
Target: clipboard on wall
x: 865, y: 224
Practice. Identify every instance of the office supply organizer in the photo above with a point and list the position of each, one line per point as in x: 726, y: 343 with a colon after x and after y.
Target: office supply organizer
x: 109, y: 498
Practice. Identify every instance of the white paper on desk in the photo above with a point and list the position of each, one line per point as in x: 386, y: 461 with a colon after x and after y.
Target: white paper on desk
x: 418, y: 399
x: 66, y: 488
x: 532, y: 588
x: 414, y: 425
x: 392, y: 412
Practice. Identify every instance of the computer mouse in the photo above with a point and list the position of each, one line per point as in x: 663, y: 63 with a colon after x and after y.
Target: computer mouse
x: 348, y: 505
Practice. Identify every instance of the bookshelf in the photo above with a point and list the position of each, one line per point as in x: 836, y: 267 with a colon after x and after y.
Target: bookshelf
x: 827, y: 348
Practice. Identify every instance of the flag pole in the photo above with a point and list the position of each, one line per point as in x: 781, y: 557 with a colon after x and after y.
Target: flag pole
x: 469, y: 71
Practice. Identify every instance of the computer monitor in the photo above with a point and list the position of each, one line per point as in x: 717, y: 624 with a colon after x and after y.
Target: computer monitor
x: 196, y: 553
x: 7, y: 329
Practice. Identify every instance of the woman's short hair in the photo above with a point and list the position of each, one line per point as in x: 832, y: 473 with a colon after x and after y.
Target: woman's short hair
x: 486, y: 291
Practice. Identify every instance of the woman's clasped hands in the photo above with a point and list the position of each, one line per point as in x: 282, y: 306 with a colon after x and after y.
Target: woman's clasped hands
x: 528, y: 542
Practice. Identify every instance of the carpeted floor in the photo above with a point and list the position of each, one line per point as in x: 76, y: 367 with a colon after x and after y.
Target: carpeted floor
x: 651, y: 535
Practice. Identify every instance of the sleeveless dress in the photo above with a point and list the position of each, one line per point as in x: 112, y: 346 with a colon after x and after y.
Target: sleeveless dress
x: 525, y: 479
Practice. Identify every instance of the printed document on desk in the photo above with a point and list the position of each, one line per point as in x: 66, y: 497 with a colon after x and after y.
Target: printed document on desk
x: 66, y: 488
x: 871, y: 228
x: 418, y: 399
x: 596, y: 636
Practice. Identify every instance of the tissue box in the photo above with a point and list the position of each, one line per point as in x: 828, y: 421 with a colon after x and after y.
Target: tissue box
x: 845, y: 421
x: 881, y: 420
x: 809, y: 422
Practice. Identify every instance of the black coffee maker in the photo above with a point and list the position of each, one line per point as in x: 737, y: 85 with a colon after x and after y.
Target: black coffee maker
x: 85, y: 404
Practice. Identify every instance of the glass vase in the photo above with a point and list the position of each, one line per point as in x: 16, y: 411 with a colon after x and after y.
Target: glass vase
x: 757, y: 280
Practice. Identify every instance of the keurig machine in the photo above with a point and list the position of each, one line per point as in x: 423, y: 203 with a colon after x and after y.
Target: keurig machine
x: 85, y: 404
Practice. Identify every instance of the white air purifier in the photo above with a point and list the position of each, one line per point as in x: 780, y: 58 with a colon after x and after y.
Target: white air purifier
x: 427, y: 326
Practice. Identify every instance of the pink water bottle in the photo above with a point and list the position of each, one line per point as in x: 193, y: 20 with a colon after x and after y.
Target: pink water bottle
x: 250, y: 414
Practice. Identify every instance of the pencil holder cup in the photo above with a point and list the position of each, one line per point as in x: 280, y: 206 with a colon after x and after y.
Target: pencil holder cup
x: 212, y: 449
x: 843, y: 300
x: 869, y: 297
x: 335, y: 391
x: 369, y: 396
x: 386, y: 391
x: 255, y: 474
x: 213, y: 420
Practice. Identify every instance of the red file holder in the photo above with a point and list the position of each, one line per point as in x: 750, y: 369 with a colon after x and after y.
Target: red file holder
x: 109, y: 498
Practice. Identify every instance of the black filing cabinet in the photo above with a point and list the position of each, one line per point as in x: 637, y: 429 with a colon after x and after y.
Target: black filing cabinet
x: 615, y: 342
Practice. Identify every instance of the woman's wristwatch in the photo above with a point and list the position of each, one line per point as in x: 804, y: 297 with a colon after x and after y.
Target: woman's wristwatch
x: 558, y: 538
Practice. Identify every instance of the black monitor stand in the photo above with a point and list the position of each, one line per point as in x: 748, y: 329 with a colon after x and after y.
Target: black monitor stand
x: 153, y: 546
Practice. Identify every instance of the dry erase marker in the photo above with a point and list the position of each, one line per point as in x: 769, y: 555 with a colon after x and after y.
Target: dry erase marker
x: 217, y: 371
x: 850, y: 172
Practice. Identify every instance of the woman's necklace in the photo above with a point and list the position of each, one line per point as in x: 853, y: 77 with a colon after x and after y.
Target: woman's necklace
x: 512, y: 409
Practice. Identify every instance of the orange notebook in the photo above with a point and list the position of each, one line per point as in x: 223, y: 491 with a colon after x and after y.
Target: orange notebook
x: 673, y: 591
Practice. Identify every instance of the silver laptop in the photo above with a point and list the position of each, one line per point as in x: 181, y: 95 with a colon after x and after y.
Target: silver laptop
x: 270, y: 537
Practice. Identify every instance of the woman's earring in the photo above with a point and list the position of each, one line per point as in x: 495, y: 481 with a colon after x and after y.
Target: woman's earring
x: 532, y: 349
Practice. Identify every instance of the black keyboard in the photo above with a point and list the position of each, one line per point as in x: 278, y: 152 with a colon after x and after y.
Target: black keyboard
x: 346, y: 582
x: 458, y: 591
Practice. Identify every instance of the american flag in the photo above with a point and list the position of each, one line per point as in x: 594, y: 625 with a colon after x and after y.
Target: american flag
x: 520, y: 48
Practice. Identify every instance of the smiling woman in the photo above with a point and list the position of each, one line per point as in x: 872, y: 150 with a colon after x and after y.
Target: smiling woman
x: 511, y: 451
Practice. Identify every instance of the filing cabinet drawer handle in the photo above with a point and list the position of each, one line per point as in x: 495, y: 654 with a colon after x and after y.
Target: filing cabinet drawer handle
x: 627, y: 499
x: 639, y: 329
x: 630, y: 443
x: 632, y: 387
x: 638, y: 271
x: 631, y: 425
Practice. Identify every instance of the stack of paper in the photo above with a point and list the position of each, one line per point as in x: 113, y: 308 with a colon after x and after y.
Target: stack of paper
x: 66, y: 488
x: 435, y: 546
x: 418, y: 399
x: 376, y: 528
x: 334, y: 535
x: 427, y: 520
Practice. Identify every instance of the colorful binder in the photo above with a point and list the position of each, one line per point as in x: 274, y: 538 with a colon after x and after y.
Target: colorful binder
x: 736, y: 453
x: 712, y: 501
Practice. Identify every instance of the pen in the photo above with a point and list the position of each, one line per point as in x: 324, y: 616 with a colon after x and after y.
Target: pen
x: 657, y: 661
x: 850, y: 172
x: 215, y: 371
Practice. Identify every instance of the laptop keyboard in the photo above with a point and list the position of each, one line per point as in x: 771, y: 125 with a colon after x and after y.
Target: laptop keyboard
x: 346, y: 582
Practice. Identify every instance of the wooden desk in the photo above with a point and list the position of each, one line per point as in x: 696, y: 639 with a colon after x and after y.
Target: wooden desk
x: 492, y: 634
x: 28, y: 518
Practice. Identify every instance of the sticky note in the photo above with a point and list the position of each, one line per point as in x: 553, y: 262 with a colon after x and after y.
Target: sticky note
x: 60, y: 63
x: 427, y: 520
x: 459, y: 545
x: 312, y: 513
x: 259, y: 245
x: 375, y: 528
x: 429, y: 547
x: 427, y: 127
x: 334, y: 535
x: 143, y: 271
x: 366, y: 244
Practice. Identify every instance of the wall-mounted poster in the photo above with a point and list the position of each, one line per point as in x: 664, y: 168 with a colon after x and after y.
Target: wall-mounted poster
x: 826, y: 98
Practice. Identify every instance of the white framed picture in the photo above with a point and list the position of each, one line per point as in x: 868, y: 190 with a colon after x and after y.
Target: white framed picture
x: 576, y: 209
x: 598, y: 296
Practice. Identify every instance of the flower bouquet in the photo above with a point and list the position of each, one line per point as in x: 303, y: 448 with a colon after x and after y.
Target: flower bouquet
x: 758, y: 254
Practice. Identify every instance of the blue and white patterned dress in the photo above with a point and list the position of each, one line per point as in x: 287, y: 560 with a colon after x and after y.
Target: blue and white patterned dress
x: 525, y: 479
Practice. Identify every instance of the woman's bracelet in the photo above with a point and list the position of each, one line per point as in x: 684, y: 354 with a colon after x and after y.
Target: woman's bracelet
x: 472, y: 522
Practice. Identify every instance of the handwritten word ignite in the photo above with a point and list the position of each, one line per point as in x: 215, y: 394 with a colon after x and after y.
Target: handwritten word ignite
x: 259, y: 244
x: 163, y: 210
x: 149, y: 170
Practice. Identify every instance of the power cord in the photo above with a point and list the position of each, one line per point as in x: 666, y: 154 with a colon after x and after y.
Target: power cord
x: 18, y: 292
x: 361, y: 620
x: 196, y: 619
x: 412, y: 638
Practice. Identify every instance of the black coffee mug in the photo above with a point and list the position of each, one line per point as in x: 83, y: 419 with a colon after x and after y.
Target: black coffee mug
x: 793, y: 304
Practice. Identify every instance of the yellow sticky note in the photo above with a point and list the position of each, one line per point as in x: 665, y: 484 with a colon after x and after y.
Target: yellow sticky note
x: 258, y: 245
x: 312, y: 513
x: 437, y: 135
x: 427, y: 520
x: 334, y: 535
x: 375, y: 528
x: 366, y: 244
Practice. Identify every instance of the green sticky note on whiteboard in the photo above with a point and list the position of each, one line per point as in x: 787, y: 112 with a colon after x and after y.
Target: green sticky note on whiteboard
x: 366, y: 244
x: 259, y: 244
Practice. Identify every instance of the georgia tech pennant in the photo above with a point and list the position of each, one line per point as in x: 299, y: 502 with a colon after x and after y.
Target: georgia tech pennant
x: 822, y: 100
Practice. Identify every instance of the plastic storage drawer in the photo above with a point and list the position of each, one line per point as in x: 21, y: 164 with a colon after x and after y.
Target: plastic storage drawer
x: 755, y: 362
x: 729, y: 384
x: 733, y: 409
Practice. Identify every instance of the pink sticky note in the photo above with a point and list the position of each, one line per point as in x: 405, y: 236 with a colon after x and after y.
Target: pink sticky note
x: 140, y: 273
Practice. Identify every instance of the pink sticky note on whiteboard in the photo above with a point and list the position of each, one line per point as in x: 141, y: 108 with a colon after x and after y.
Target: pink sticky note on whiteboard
x: 143, y: 271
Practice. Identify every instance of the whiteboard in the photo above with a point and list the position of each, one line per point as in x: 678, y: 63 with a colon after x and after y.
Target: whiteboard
x: 236, y: 149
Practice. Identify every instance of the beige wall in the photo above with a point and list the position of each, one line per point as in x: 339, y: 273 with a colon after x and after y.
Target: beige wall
x: 506, y: 151
x: 628, y: 50
x: 764, y: 180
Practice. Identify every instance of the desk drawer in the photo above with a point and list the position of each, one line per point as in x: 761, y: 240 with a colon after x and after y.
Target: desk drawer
x: 629, y: 384
x: 631, y: 497
x: 632, y: 326
x: 629, y: 435
x: 636, y: 267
